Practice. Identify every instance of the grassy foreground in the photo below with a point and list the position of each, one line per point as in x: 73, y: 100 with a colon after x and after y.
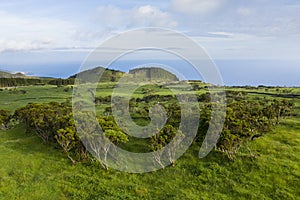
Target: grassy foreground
x: 31, y: 169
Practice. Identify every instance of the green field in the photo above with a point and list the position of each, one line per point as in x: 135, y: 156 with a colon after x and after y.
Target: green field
x: 12, y: 98
x: 32, y: 169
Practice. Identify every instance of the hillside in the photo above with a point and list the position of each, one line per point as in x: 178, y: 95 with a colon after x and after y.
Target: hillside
x: 93, y: 75
x: 153, y: 74
x: 10, y: 75
x: 110, y: 75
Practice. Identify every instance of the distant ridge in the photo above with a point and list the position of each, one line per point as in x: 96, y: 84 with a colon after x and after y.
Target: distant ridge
x: 153, y: 74
x: 144, y: 73
x: 92, y: 75
x: 4, y: 74
x: 10, y: 75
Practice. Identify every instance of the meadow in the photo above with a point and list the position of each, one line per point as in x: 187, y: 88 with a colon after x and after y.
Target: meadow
x: 33, y: 169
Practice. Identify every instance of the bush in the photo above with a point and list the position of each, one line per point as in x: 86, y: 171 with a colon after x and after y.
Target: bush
x: 4, y: 118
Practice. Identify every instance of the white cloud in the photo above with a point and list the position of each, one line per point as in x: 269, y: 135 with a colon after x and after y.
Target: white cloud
x: 226, y: 23
x: 152, y: 16
x: 20, y: 33
x: 115, y: 18
x: 199, y: 7
x: 15, y: 45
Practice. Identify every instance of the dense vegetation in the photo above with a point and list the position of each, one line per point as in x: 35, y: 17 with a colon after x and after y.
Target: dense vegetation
x: 250, y: 116
x: 245, y: 120
x: 14, y: 82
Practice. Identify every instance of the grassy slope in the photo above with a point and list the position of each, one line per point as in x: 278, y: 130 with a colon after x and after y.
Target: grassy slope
x: 31, y: 169
x: 10, y: 99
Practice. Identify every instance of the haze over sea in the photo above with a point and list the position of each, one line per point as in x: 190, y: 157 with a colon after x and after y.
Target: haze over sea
x: 234, y: 72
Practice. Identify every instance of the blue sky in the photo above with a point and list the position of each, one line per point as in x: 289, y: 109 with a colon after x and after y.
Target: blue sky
x: 43, y: 33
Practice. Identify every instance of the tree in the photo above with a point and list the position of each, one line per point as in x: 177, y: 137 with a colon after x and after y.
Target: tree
x: 245, y: 121
x: 45, y: 119
x: 100, y: 143
x: 170, y: 136
x: 248, y: 120
x: 115, y: 137
x: 66, y: 136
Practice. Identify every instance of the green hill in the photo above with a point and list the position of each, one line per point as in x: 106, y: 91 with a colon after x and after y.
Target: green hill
x: 10, y: 75
x: 110, y: 75
x: 153, y: 74
x: 92, y: 75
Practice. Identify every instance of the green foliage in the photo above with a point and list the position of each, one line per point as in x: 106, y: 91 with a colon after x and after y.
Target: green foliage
x: 245, y: 121
x: 116, y: 137
x: 32, y: 169
x: 4, y: 118
x: 278, y: 109
x: 54, y: 122
x: 163, y: 137
x: 26, y: 81
x: 170, y: 136
x: 45, y: 119
x: 66, y: 135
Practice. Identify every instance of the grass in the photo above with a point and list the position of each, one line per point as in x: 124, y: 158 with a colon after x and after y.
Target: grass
x: 13, y: 98
x: 31, y: 169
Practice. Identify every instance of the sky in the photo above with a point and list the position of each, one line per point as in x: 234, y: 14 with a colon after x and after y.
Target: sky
x: 48, y: 38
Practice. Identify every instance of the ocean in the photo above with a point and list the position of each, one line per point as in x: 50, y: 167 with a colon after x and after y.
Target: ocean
x: 233, y: 72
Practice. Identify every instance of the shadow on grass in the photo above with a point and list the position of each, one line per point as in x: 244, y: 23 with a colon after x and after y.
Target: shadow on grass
x: 16, y: 139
